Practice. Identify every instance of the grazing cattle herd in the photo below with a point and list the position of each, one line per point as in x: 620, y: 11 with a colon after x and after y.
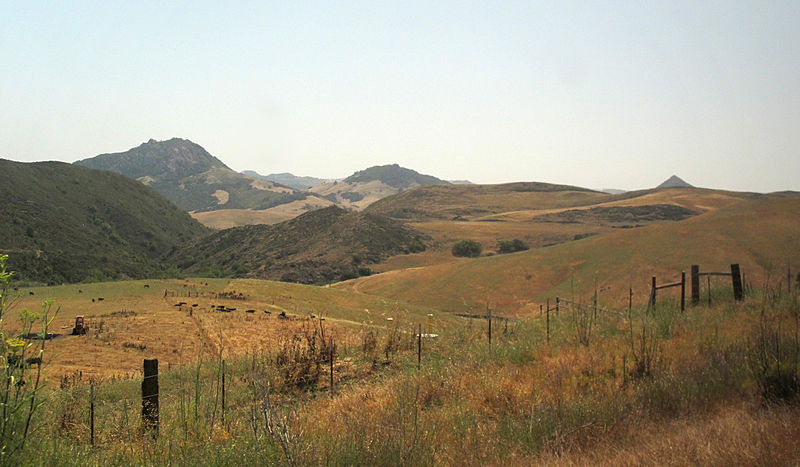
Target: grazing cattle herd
x: 229, y: 295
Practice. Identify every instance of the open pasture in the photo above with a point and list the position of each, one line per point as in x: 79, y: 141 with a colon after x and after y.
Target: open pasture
x: 140, y: 319
x: 547, y: 219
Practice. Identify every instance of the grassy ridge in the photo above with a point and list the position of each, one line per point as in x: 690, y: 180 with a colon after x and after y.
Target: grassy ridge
x: 760, y: 234
x: 66, y: 223
x: 317, y: 247
x: 456, y: 201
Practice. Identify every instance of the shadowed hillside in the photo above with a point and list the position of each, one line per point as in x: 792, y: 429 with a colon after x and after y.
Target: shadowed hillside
x: 66, y: 223
x: 320, y: 246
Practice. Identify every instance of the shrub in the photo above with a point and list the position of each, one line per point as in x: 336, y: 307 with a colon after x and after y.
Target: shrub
x: 467, y: 249
x: 364, y: 271
x: 773, y: 361
x: 511, y: 246
x: 21, y: 369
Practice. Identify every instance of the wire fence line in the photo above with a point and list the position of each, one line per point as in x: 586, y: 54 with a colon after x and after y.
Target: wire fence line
x: 195, y: 393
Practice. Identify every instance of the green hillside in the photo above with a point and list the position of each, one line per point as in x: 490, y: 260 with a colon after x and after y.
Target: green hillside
x: 317, y: 247
x: 394, y: 176
x: 66, y: 223
x: 192, y: 178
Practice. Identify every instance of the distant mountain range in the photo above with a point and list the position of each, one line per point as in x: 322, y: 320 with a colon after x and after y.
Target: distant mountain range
x: 203, y: 185
x: 192, y: 178
x: 199, y: 183
x: 67, y: 223
x: 290, y: 180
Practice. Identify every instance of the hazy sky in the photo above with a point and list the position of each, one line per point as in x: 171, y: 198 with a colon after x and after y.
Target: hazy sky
x: 596, y: 94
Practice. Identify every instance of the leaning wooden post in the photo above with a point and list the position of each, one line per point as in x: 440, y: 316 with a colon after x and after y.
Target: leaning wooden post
x: 653, y: 293
x: 150, y: 396
x: 91, y: 412
x: 683, y: 290
x: 736, y: 276
x: 695, y: 284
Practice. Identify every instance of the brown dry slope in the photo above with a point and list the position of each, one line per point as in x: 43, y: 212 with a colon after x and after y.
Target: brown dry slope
x: 759, y: 232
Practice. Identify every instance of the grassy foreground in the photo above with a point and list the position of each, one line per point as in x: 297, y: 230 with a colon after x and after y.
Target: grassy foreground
x: 714, y: 385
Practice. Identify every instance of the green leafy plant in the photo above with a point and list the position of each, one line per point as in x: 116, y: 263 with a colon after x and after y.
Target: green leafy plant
x: 467, y: 249
x: 511, y: 246
x: 20, y: 369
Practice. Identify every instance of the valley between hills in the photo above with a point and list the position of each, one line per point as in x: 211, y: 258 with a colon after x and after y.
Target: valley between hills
x: 350, y: 308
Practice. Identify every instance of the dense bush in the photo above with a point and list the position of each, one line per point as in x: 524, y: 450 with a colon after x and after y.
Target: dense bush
x: 467, y: 248
x: 511, y: 246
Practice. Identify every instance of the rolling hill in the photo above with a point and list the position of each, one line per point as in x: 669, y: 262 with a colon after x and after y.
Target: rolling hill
x: 757, y: 231
x: 321, y: 246
x: 67, y: 223
x: 192, y: 178
x: 367, y: 186
x: 290, y: 180
x: 472, y: 201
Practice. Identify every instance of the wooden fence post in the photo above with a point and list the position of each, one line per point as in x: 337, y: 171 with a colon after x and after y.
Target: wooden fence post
x: 223, y: 393
x: 330, y: 346
x: 558, y: 300
x: 489, y: 310
x: 91, y: 412
x: 150, y: 396
x: 695, y: 284
x: 548, y: 319
x: 653, y: 293
x: 736, y: 275
x: 419, y: 348
x: 630, y: 298
x: 683, y: 290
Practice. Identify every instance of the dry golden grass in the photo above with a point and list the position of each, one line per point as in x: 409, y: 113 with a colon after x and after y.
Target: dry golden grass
x: 741, y: 434
x: 698, y: 199
x: 134, y: 322
x: 475, y: 201
x: 759, y: 234
x: 227, y: 218
x: 562, y: 403
x: 446, y: 233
